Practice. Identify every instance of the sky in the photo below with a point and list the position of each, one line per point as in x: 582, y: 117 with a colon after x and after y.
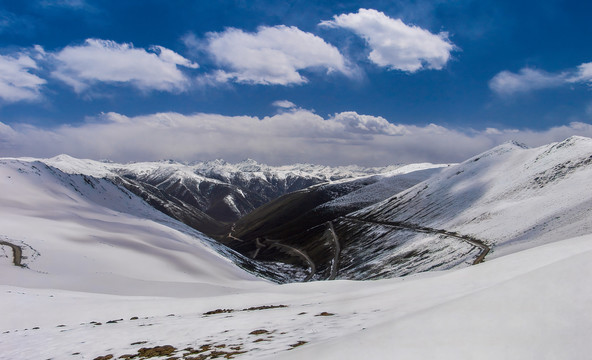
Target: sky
x: 330, y: 82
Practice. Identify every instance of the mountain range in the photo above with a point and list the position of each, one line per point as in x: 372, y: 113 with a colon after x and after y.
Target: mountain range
x: 496, y: 247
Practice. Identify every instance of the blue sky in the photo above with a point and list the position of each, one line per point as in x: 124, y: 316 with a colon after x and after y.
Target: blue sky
x: 367, y: 82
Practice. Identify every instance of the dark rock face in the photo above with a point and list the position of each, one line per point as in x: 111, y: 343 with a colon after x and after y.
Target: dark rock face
x: 173, y: 206
x: 210, y: 201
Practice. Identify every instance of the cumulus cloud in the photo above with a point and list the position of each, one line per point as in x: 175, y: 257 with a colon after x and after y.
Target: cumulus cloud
x: 288, y: 137
x: 17, y: 82
x: 107, y: 61
x: 366, y: 124
x: 394, y: 44
x: 271, y: 55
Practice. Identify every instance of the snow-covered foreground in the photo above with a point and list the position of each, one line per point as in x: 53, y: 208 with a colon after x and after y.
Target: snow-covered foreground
x: 533, y: 304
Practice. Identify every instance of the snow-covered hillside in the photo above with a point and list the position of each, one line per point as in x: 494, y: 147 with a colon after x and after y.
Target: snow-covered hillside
x: 106, y: 276
x: 384, y: 185
x: 87, y: 234
x: 508, y: 198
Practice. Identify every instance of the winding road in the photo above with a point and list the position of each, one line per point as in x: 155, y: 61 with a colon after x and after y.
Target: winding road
x: 263, y: 243
x: 286, y: 248
x: 337, y: 250
x: 230, y: 236
x: 17, y: 253
x: 405, y: 226
x: 301, y: 254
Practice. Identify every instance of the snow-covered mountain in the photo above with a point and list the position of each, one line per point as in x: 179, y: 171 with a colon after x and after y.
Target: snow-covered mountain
x: 506, y: 199
x: 105, y: 275
x: 82, y: 233
x: 440, y: 217
x: 206, y: 195
x: 182, y: 191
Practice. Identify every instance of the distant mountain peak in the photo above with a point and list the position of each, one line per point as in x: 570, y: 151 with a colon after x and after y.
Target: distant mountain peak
x: 249, y: 161
x: 64, y: 157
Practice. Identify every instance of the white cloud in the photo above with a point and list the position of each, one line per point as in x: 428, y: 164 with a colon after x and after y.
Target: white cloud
x: 583, y: 74
x: 171, y: 57
x: 289, y: 137
x: 110, y: 62
x: 526, y: 80
x: 366, y: 124
x: 17, y: 83
x: 394, y: 44
x: 284, y: 104
x: 271, y: 56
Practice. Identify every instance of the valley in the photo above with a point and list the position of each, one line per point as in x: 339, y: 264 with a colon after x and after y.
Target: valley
x: 254, y: 262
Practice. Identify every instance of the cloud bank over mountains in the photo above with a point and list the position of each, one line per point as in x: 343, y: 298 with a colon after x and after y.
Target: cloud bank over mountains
x: 291, y: 136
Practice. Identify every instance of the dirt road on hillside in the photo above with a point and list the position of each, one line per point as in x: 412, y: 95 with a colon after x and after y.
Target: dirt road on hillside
x: 405, y: 226
x: 17, y: 253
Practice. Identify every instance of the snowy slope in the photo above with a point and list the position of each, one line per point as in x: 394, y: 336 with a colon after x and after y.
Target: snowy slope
x: 385, y: 185
x: 86, y: 234
x: 529, y: 305
x: 509, y: 198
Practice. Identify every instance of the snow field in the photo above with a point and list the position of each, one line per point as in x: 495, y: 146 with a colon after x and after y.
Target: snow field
x: 532, y: 304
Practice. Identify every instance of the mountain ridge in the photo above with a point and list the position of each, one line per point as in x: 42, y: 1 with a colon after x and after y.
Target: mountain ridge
x: 393, y: 224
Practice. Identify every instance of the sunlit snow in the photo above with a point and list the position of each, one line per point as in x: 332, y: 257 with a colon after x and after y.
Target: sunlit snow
x: 105, y: 274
